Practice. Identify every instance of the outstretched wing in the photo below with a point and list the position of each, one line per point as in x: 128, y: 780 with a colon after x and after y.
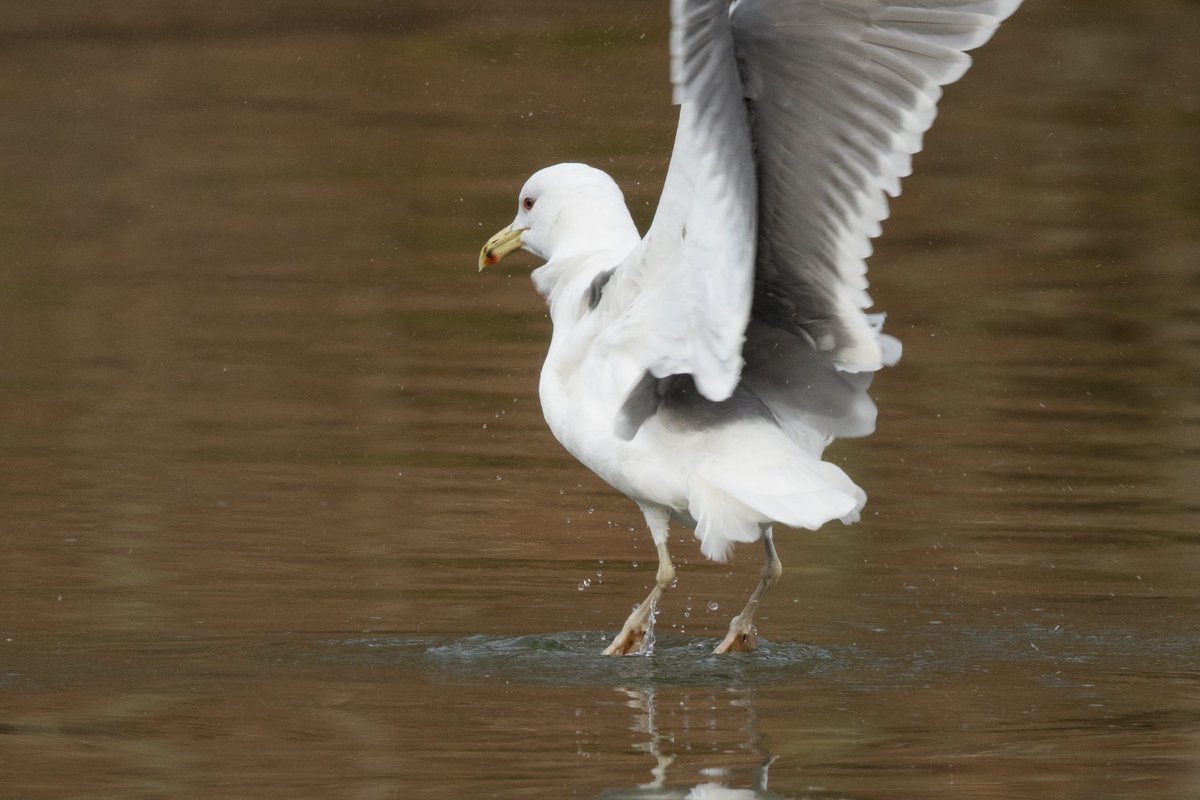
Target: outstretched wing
x: 679, y: 303
x: 841, y: 92
x: 796, y: 118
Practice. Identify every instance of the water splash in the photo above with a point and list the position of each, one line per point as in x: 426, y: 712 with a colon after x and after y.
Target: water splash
x: 649, y: 640
x: 574, y: 659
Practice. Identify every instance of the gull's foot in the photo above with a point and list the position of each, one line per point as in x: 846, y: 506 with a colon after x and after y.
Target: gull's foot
x: 740, y: 639
x: 631, y: 641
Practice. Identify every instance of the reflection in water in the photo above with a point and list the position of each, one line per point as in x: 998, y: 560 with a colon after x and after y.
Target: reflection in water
x: 280, y: 516
x: 894, y: 708
x: 665, y: 743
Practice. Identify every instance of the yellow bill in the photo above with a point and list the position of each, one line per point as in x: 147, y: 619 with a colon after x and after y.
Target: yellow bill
x: 500, y: 245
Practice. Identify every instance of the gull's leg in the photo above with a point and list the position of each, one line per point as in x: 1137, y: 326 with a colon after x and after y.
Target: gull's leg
x: 741, y: 636
x: 632, y: 637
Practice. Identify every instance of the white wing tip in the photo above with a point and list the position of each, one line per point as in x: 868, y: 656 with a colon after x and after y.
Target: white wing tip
x: 859, y: 357
x: 718, y: 384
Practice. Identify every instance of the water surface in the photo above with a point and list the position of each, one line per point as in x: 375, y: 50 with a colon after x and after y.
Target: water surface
x: 280, y: 516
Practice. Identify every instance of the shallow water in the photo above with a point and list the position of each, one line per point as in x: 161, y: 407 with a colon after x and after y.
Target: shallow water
x: 280, y: 515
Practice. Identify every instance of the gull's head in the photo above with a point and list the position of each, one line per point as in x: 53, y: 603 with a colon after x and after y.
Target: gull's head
x: 566, y: 209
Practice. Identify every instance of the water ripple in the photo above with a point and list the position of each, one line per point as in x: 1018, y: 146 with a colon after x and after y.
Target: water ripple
x: 573, y: 658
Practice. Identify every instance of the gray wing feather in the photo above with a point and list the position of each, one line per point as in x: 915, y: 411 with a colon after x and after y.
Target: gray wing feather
x: 797, y: 119
x: 840, y: 94
x: 681, y: 301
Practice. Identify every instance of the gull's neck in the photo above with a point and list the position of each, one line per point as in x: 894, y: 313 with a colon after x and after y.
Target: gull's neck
x: 559, y: 273
x: 587, y: 233
x: 578, y: 256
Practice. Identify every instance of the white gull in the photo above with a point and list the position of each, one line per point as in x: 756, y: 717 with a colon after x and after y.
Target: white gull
x: 703, y: 369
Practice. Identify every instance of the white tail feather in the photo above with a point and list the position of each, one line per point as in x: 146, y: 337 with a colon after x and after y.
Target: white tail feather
x: 734, y: 495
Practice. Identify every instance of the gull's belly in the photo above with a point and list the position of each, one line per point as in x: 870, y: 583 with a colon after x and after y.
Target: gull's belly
x: 647, y: 468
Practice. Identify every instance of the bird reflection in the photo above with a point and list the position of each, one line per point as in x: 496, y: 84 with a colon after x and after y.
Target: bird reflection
x: 684, y: 725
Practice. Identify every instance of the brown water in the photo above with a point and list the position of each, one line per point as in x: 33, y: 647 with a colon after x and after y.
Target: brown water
x: 280, y: 518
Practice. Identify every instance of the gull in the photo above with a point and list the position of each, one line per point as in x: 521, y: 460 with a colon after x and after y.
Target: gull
x: 703, y: 368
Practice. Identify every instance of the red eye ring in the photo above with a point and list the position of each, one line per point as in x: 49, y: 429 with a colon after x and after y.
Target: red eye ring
x: 527, y: 204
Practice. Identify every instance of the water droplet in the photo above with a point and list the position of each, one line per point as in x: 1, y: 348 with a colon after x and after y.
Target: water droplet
x: 585, y: 583
x: 712, y: 605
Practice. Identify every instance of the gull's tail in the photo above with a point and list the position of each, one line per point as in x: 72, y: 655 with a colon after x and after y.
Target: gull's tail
x: 751, y: 477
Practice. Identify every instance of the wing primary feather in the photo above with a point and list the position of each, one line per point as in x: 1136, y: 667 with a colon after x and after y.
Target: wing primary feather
x: 682, y: 298
x: 841, y: 94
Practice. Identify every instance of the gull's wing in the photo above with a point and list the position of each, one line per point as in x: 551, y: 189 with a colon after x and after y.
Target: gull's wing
x: 681, y: 300
x: 796, y: 118
x: 840, y: 95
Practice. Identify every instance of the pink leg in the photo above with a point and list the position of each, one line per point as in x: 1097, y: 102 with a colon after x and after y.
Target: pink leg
x: 742, y: 636
x: 632, y: 638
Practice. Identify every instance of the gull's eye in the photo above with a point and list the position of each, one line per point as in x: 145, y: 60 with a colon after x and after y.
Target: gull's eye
x: 527, y: 204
